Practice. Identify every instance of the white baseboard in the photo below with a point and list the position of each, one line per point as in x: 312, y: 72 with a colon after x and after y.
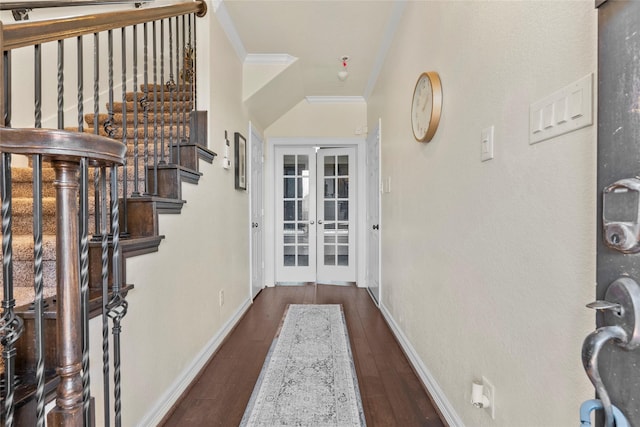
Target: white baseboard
x: 438, y: 396
x: 171, y: 396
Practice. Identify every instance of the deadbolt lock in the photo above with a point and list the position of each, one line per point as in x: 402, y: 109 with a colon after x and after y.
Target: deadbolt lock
x: 620, y: 215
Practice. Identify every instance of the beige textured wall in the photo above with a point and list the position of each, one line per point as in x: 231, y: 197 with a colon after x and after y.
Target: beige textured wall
x: 486, y: 267
x: 174, y: 310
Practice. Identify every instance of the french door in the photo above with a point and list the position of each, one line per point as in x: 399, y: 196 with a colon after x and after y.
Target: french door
x: 315, y: 214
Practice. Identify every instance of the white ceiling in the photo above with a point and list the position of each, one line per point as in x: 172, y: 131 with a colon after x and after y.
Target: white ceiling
x: 318, y: 33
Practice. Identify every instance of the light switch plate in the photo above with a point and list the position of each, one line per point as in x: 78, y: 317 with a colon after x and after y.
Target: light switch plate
x: 386, y: 185
x: 486, y: 144
x: 566, y: 110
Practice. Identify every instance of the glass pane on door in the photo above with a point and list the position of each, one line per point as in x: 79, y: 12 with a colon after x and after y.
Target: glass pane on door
x: 336, y: 210
x: 295, y: 206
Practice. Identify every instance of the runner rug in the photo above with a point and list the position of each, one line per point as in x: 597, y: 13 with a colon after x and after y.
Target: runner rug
x: 308, y: 378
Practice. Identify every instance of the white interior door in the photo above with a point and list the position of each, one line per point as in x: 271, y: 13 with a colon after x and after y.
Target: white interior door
x: 295, y: 206
x: 336, y: 215
x: 373, y: 212
x: 257, y: 212
x: 315, y: 214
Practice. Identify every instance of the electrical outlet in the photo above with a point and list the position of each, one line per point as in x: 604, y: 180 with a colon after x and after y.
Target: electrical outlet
x: 490, y: 392
x: 221, y: 298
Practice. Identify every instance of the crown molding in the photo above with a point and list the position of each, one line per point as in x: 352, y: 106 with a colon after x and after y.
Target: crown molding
x: 269, y: 58
x: 389, y: 32
x: 335, y: 99
x: 220, y: 10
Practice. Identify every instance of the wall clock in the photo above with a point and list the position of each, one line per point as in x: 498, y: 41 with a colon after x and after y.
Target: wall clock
x: 426, y: 106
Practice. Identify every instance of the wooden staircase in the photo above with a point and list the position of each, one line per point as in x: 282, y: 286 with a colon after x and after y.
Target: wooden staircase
x: 149, y: 192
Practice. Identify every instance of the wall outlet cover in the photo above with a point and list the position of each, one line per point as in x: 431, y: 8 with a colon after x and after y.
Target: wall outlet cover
x: 490, y: 392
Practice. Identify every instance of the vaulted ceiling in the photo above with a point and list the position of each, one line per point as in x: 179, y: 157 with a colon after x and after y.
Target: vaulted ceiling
x: 309, y: 38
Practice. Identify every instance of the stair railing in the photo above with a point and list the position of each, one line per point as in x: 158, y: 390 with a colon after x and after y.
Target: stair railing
x: 70, y: 154
x: 167, y: 102
x: 151, y: 122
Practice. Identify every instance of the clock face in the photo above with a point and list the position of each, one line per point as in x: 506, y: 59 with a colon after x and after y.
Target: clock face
x: 425, y: 108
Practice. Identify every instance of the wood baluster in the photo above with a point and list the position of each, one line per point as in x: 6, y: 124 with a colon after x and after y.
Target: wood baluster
x: 68, y: 410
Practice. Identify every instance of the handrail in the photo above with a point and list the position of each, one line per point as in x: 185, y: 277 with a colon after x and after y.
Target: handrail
x: 61, y: 144
x: 47, y: 4
x: 32, y: 33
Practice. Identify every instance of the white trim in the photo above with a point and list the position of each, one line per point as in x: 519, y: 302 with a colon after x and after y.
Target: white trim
x: 334, y: 99
x: 438, y: 396
x: 387, y: 38
x: 229, y: 28
x: 254, y: 133
x: 250, y: 226
x: 173, y: 393
x: 377, y: 133
x: 269, y: 58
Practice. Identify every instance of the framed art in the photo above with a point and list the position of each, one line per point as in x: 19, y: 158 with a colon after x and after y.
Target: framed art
x: 240, y: 161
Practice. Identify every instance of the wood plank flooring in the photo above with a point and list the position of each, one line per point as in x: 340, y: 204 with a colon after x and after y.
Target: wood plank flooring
x: 392, y: 394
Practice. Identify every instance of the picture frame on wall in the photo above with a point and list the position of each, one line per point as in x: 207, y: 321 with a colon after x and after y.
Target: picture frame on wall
x: 240, y: 145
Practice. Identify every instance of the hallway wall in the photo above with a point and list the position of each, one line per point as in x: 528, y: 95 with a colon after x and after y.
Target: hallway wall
x: 320, y: 120
x: 487, y: 266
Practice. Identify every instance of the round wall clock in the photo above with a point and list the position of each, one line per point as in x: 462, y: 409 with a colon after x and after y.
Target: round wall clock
x: 426, y: 106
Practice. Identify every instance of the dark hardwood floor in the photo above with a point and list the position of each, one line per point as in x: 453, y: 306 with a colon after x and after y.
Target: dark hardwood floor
x: 392, y: 394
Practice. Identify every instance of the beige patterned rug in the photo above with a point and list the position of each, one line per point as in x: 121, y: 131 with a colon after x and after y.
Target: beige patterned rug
x: 308, y: 378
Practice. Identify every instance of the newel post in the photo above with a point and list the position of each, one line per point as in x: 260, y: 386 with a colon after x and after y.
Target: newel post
x: 68, y: 409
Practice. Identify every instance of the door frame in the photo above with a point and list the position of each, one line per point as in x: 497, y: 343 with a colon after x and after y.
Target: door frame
x: 377, y: 134
x: 269, y: 198
x: 255, y: 134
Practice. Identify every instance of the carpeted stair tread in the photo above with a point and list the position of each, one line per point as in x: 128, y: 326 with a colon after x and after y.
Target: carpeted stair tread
x: 23, y: 262
x: 117, y: 106
x: 24, y: 206
x: 168, y: 132
x: 158, y: 87
x: 175, y: 95
x: 22, y: 180
x: 23, y: 247
x: 25, y: 174
x: 22, y: 215
x: 26, y: 295
x: 117, y: 118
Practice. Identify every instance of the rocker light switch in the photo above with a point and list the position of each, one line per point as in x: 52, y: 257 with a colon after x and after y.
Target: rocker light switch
x: 565, y: 110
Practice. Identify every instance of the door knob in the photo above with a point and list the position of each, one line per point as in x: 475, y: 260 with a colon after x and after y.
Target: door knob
x: 621, y: 309
x: 319, y: 221
x: 376, y: 227
x: 311, y: 222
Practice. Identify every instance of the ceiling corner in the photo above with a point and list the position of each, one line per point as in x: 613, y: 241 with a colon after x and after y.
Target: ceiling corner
x: 220, y: 10
x: 389, y: 33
